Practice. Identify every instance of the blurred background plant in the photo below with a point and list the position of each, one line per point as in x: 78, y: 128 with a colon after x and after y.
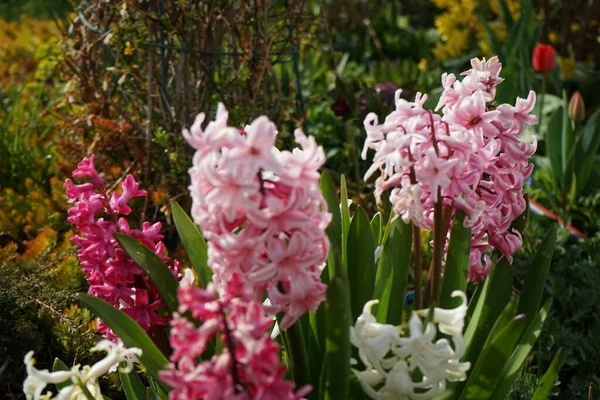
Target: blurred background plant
x: 81, y: 77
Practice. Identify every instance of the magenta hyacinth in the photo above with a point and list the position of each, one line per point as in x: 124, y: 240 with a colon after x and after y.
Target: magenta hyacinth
x: 111, y: 274
x: 261, y: 212
x: 248, y: 365
x: 470, y: 158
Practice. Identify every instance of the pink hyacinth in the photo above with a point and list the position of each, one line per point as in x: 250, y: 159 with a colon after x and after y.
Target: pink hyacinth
x: 261, y: 211
x: 471, y: 158
x: 248, y: 366
x: 111, y: 274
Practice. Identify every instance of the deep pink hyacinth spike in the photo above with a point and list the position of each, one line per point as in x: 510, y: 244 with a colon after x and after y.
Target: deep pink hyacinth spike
x: 111, y: 274
x: 248, y: 367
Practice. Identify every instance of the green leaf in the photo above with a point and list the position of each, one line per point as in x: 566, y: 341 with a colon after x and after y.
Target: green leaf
x: 512, y: 368
x: 567, y: 139
x: 61, y: 366
x: 160, y: 275
x: 376, y: 228
x: 533, y: 288
x: 587, y: 147
x: 129, y: 332
x: 549, y: 379
x: 360, y: 261
x: 400, y: 246
x: 492, y: 301
x: 152, y: 395
x: 337, y: 341
x: 132, y: 385
x: 194, y: 243
x: 345, y: 212
x: 334, y: 230
x: 383, y: 285
x: 457, y: 263
x: 554, y: 146
x: 491, y: 361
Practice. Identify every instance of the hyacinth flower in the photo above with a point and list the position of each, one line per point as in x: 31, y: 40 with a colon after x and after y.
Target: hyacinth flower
x: 261, y: 211
x: 469, y: 159
x: 392, y: 357
x: 79, y: 383
x: 248, y: 365
x: 112, y: 275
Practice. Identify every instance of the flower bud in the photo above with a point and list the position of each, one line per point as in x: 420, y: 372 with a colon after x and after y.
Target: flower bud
x: 577, y: 107
x: 543, y: 58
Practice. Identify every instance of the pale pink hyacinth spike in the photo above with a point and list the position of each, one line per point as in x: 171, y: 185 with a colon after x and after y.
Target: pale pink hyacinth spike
x: 472, y: 155
x: 252, y: 203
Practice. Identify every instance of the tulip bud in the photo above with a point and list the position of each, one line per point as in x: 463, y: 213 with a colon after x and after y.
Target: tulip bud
x: 543, y: 58
x: 577, y: 107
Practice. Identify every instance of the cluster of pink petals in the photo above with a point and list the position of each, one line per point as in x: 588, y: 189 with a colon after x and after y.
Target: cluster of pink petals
x: 111, y: 274
x: 261, y: 211
x: 248, y: 366
x: 471, y: 158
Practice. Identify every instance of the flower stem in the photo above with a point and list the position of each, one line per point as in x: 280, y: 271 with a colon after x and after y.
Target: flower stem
x: 297, y: 351
x: 231, y: 349
x: 418, y: 280
x: 85, y: 390
x: 438, y: 247
x: 541, y: 108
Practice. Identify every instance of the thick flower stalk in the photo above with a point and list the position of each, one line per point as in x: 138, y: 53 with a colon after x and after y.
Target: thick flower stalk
x: 81, y: 382
x: 470, y: 158
x: 261, y: 211
x: 111, y: 274
x: 392, y: 357
x: 248, y: 365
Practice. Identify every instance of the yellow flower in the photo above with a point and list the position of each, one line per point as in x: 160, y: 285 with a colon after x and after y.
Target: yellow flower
x: 567, y: 66
x: 575, y: 27
x: 553, y: 37
x: 422, y: 65
x: 129, y: 49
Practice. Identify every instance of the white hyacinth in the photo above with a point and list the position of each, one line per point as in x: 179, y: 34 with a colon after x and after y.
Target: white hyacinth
x: 83, y: 383
x: 390, y: 358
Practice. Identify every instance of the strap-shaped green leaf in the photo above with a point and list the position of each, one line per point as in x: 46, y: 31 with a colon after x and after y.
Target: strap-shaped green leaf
x: 512, y: 368
x: 383, y: 285
x: 376, y: 228
x: 58, y: 365
x: 533, y: 288
x: 160, y: 275
x: 542, y: 392
x: 334, y: 230
x: 361, y: 261
x: 490, y: 304
x: 491, y: 361
x: 400, y: 247
x: 457, y: 263
x: 128, y: 331
x: 194, y: 243
x: 554, y: 136
x: 132, y: 385
x: 587, y: 148
x: 345, y: 213
x: 337, y: 342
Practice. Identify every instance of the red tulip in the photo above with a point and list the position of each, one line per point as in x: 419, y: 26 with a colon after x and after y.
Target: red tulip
x: 543, y: 58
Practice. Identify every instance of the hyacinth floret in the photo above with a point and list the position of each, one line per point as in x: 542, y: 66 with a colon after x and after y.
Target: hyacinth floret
x: 470, y: 158
x: 112, y: 275
x: 247, y: 367
x: 261, y: 211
